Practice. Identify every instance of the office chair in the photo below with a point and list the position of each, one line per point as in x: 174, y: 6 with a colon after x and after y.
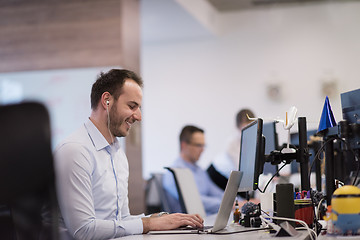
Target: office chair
x: 189, y: 196
x: 27, y: 183
x: 217, y: 177
x: 156, y: 199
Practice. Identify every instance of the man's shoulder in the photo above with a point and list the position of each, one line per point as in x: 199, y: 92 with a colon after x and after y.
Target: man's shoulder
x: 194, y: 168
x: 75, y: 149
x: 76, y: 139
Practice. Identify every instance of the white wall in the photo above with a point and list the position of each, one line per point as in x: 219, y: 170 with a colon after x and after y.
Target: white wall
x: 65, y: 92
x: 207, y: 79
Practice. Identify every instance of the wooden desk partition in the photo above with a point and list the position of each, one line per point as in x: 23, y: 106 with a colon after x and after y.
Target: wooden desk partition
x: 62, y: 34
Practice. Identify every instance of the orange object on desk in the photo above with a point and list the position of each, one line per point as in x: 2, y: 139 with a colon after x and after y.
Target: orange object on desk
x: 304, y: 211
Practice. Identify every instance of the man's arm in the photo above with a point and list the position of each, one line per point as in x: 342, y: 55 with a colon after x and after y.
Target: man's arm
x: 171, y: 221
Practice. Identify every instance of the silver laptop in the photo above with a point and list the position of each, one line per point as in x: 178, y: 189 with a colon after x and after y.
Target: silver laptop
x: 223, y: 215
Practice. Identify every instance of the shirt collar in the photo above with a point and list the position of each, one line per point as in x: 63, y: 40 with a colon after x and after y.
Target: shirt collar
x: 192, y: 166
x: 97, y: 138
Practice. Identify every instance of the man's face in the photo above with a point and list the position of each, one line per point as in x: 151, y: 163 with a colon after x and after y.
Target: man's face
x: 195, y: 147
x: 126, y: 110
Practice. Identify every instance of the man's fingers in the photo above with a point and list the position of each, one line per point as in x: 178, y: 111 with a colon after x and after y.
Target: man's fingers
x: 179, y: 219
x: 200, y: 219
x: 196, y: 220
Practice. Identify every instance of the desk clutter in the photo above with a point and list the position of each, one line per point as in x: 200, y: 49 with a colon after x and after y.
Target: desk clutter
x: 343, y: 215
x: 251, y: 215
x: 307, y: 210
x: 334, y: 150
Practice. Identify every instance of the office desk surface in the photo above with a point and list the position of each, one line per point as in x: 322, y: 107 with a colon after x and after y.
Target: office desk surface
x: 209, y: 221
x: 331, y: 237
x: 237, y: 236
x: 262, y: 234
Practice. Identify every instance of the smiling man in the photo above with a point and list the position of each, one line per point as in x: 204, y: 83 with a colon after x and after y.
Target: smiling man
x: 92, y: 169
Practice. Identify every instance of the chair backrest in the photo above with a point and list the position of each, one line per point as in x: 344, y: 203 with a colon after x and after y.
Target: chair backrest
x: 27, y: 183
x: 156, y: 199
x: 189, y: 196
x: 217, y: 177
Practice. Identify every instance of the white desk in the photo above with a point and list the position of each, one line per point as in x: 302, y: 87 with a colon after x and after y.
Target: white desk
x: 262, y: 234
x: 209, y: 221
x: 237, y: 236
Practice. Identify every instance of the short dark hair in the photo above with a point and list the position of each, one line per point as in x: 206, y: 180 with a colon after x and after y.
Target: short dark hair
x: 241, y: 116
x: 111, y: 82
x: 187, y: 132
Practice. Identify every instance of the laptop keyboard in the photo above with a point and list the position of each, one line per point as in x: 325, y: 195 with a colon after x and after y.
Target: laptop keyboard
x: 194, y: 228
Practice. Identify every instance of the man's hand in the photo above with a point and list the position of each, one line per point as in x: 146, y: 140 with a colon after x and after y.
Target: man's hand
x: 171, y: 221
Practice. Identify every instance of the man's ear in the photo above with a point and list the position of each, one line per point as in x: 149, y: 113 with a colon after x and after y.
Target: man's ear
x: 105, y: 100
x: 182, y: 145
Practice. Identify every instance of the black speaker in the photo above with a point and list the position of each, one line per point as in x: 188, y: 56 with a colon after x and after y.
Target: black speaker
x: 285, y: 202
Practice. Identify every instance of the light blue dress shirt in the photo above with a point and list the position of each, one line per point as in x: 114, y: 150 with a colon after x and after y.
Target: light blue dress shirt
x: 210, y: 194
x: 92, y: 187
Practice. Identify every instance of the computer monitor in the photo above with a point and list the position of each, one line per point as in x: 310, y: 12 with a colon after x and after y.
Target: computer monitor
x: 269, y: 131
x: 350, y: 104
x: 252, y: 150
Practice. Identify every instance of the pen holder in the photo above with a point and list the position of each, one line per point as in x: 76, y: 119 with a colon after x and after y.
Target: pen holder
x: 304, y: 210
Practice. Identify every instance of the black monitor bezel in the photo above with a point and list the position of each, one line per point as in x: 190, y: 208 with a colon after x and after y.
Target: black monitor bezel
x: 259, y: 156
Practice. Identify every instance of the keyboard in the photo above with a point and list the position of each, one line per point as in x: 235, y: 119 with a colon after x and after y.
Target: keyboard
x: 194, y: 228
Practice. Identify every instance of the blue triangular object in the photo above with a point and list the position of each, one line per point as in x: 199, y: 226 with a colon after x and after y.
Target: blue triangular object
x: 327, y: 119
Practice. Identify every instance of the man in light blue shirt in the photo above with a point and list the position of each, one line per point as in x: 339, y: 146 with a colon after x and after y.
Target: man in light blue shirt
x: 192, y: 142
x: 92, y: 169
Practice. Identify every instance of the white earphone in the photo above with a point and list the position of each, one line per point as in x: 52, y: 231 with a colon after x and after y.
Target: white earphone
x: 108, y: 120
